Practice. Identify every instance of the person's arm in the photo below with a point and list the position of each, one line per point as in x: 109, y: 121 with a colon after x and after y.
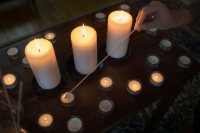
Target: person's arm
x: 162, y: 17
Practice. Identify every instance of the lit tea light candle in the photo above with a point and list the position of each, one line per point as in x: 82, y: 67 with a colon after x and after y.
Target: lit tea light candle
x: 46, y: 121
x: 75, y: 124
x: 152, y: 31
x: 153, y: 61
x: 42, y: 59
x: 67, y: 99
x: 106, y: 83
x: 50, y: 36
x: 184, y: 61
x: 13, y: 53
x: 101, y: 17
x: 125, y: 7
x: 22, y: 130
x: 165, y: 45
x: 134, y: 87
x: 84, y: 44
x: 156, y: 78
x: 25, y: 62
x: 119, y: 25
x: 10, y: 81
x: 106, y: 105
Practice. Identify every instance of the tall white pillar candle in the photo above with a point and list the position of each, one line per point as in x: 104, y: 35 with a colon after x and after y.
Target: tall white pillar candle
x: 119, y: 25
x: 42, y: 59
x: 84, y: 44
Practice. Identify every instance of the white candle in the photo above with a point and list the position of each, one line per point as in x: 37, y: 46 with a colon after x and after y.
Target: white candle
x: 184, y: 61
x: 106, y: 82
x: 152, y: 61
x: 67, y: 98
x: 74, y: 124
x: 119, y: 25
x: 125, y: 7
x: 165, y: 45
x: 84, y: 44
x: 42, y: 59
x: 106, y: 106
x: 25, y: 62
x: 134, y: 86
x: 152, y: 31
x: 13, y: 53
x: 10, y: 81
x: 45, y: 120
x: 156, y: 78
x: 101, y: 17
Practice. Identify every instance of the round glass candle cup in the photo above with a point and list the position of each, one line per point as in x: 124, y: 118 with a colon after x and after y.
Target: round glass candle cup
x: 100, y: 17
x: 106, y: 83
x: 152, y: 32
x: 134, y: 87
x: 125, y: 7
x: 13, y: 53
x: 184, y: 61
x: 10, y: 81
x: 51, y: 36
x: 75, y: 124
x: 25, y: 62
x: 67, y: 99
x: 153, y: 61
x: 46, y: 121
x: 106, y: 106
x: 156, y: 78
x: 165, y: 45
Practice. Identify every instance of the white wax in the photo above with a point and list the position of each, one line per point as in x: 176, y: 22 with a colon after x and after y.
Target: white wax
x: 67, y: 98
x: 100, y: 16
x: 84, y: 44
x: 9, y: 79
x: 124, y: 7
x: 134, y: 86
x: 184, y: 60
x: 74, y: 124
x: 42, y: 59
x: 165, y: 43
x: 106, y: 82
x: 119, y: 25
x: 45, y: 120
x: 13, y: 52
x: 106, y: 105
x: 152, y: 59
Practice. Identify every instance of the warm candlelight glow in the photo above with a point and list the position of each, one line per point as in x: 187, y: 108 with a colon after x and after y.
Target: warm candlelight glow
x: 83, y: 31
x: 67, y: 98
x: 45, y: 120
x: 134, y: 86
x: 106, y: 82
x: 157, y: 78
x: 37, y: 45
x: 9, y: 79
x: 50, y: 36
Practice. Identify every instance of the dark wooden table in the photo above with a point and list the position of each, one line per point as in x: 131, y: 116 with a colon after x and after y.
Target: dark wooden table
x: 89, y: 94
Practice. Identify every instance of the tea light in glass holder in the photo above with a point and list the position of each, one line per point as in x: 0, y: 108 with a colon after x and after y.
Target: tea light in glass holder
x: 165, y: 45
x: 67, y: 99
x: 184, y: 61
x: 46, y: 121
x: 153, y: 61
x: 25, y: 62
x: 134, y: 87
x: 106, y: 83
x: 106, y: 106
x: 156, y: 78
x: 125, y: 7
x: 10, y: 81
x: 13, y: 53
x: 50, y: 36
x: 152, y: 32
x: 75, y: 124
x: 101, y: 17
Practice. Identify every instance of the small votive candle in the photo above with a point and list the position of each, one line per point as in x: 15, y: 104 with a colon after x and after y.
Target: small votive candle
x: 13, y: 53
x: 134, y: 87
x: 10, y: 81
x: 152, y: 32
x: 67, y: 99
x: 125, y: 7
x: 165, y: 45
x: 184, y: 61
x: 156, y: 78
x: 75, y: 124
x: 46, y: 121
x: 101, y: 17
x: 25, y: 62
x: 50, y: 36
x: 106, y: 105
x: 106, y: 83
x: 153, y: 61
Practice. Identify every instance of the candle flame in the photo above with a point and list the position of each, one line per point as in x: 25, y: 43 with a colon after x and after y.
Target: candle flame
x: 83, y: 30
x: 37, y: 45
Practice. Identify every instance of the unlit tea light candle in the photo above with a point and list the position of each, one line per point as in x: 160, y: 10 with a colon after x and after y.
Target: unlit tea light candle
x: 156, y: 78
x: 153, y: 61
x: 43, y: 62
x: 119, y: 26
x: 125, y: 7
x: 101, y: 17
x: 13, y: 53
x: 184, y: 61
x: 152, y: 31
x: 84, y: 44
x: 25, y: 62
x: 134, y: 87
x: 45, y: 120
x: 106, y: 105
x: 67, y: 99
x: 74, y: 124
x: 10, y: 81
x: 106, y: 83
x: 165, y: 45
